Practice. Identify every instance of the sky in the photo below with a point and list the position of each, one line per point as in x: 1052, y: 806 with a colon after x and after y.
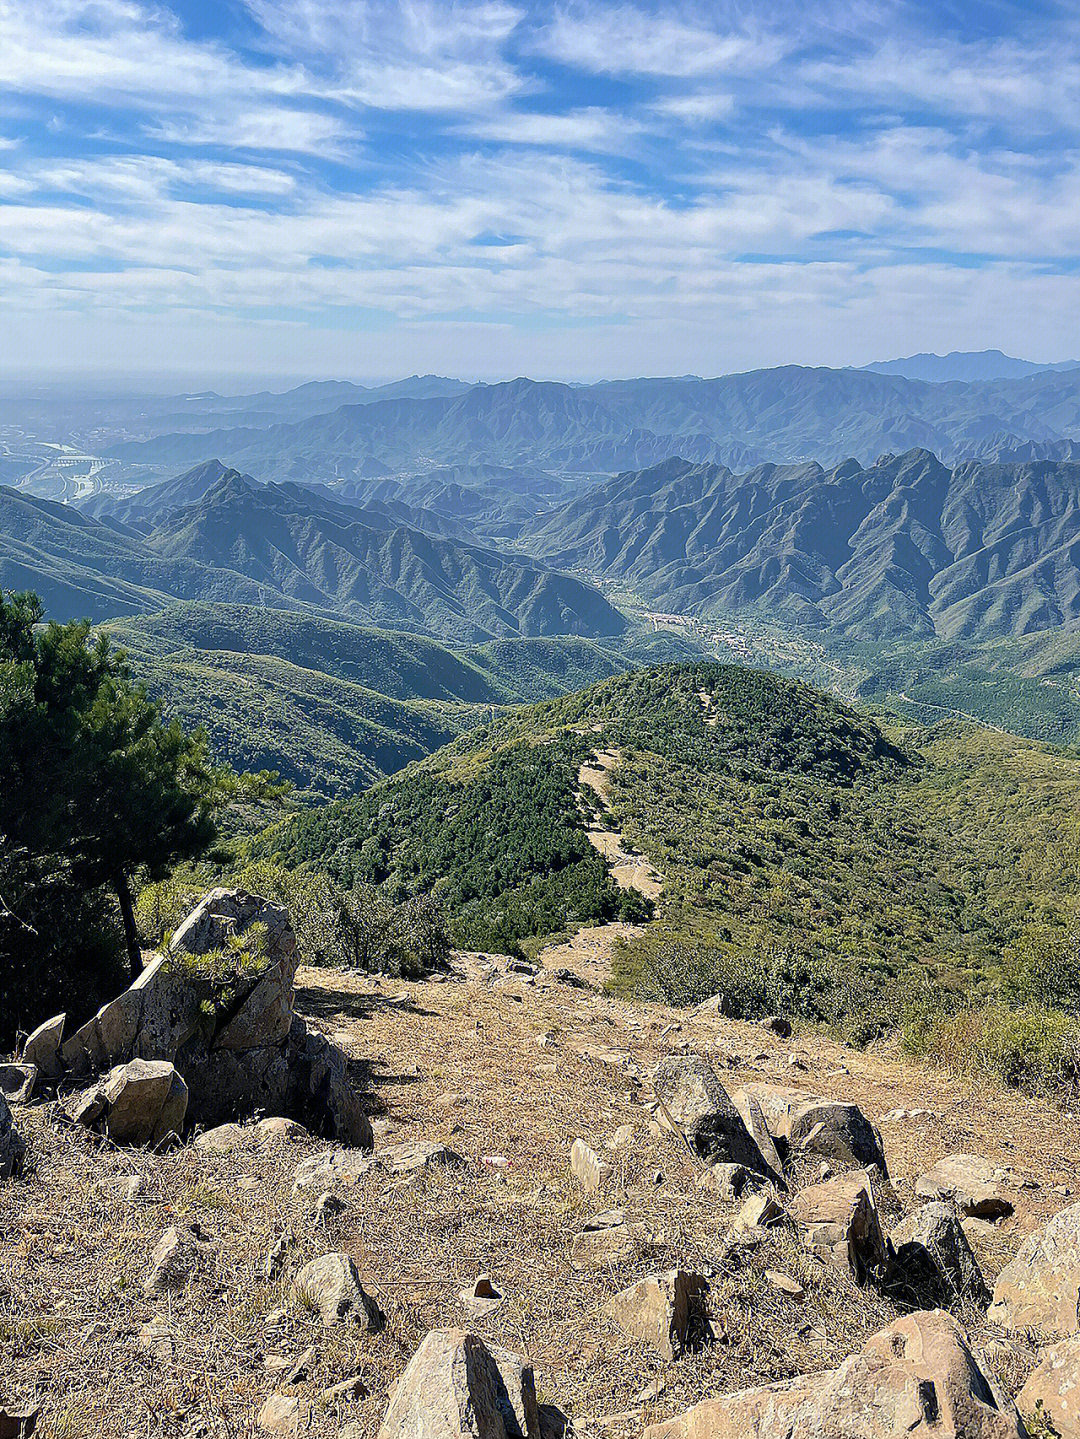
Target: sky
x: 364, y: 189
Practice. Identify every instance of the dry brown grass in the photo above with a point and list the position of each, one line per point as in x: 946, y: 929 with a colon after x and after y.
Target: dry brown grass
x: 72, y: 1260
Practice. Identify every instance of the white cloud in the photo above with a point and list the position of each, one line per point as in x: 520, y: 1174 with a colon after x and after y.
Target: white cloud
x: 619, y: 39
x: 594, y: 129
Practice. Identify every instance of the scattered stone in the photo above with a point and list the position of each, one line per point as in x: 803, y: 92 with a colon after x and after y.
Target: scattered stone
x: 696, y: 1101
x: 42, y: 1048
x: 481, y: 1296
x: 605, y: 1239
x: 590, y: 1171
x: 331, y: 1287
x: 663, y: 1310
x: 156, y: 1338
x: 223, y: 1139
x: 178, y: 1255
x: 299, y: 1371
x: 841, y: 1224
x: 351, y: 1388
x: 286, y: 1415
x: 916, y: 1377
x: 778, y: 1025
x: 932, y: 1262
x: 276, y: 1256
x: 19, y: 1423
x: 408, y: 1157
x: 12, y: 1144
x: 785, y: 1284
x: 334, y: 1166
x: 327, y: 1205
x: 622, y: 1140
x: 753, y: 1116
x: 277, y: 1129
x: 1039, y: 1290
x: 727, y: 1180
x: 457, y: 1387
x: 758, y: 1212
x: 1052, y: 1390
x: 127, y: 1188
x: 837, y: 1132
x: 972, y: 1183
x: 17, y: 1082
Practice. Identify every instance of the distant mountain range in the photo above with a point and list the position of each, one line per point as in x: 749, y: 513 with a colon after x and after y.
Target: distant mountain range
x: 765, y: 416
x: 216, y: 535
x: 966, y: 366
x: 907, y: 546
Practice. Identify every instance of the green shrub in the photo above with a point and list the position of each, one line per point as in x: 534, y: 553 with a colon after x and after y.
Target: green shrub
x: 1032, y: 1048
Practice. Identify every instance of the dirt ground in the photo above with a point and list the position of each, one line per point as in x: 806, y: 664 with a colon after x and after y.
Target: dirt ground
x: 507, y: 1070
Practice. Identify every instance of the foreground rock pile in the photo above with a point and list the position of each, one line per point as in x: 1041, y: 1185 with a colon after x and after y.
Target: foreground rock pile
x: 404, y: 1285
x: 206, y: 1034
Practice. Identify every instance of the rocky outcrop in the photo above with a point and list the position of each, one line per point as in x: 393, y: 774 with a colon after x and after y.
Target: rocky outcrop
x: 42, y: 1048
x: 458, y: 1387
x: 12, y: 1144
x: 664, y: 1310
x: 841, y: 1224
x: 693, y: 1099
x: 917, y: 1377
x: 1039, y: 1290
x: 932, y: 1262
x: 1052, y: 1390
x: 218, y: 1006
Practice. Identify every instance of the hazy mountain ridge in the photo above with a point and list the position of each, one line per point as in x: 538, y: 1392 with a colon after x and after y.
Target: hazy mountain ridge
x: 779, y: 415
x: 905, y: 546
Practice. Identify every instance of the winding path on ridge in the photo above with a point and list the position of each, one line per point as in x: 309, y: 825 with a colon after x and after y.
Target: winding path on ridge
x: 588, y: 952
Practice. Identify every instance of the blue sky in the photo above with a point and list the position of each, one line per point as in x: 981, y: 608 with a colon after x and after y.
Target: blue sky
x: 368, y: 188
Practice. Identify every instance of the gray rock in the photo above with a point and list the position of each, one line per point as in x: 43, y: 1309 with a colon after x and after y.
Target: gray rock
x: 222, y: 1139
x: 590, y: 1171
x: 43, y: 1046
x: 17, y: 1082
x: 1038, y: 1291
x: 694, y: 1098
x: 975, y: 1186
x: 457, y: 1387
x: 145, y: 1101
x: 331, y: 1287
x: 753, y: 1116
x: 932, y: 1263
x: 334, y: 1167
x: 836, y: 1131
x: 178, y: 1255
x: 12, y: 1144
x: 410, y: 1156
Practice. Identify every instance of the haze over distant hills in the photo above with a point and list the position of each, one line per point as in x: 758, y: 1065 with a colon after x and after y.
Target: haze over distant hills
x: 965, y: 366
x: 765, y: 416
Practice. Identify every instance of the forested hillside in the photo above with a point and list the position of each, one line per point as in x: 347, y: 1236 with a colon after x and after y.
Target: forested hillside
x: 811, y: 863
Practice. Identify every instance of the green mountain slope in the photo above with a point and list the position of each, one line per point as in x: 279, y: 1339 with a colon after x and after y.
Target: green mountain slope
x: 333, y: 706
x: 810, y: 861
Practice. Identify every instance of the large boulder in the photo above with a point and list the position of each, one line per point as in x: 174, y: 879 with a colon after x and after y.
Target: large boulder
x: 219, y: 1006
x: 693, y: 1099
x: 975, y: 1185
x: 12, y: 1144
x: 841, y: 1224
x: 42, y: 1047
x: 917, y: 1378
x: 1052, y: 1390
x: 932, y: 1262
x: 146, y: 1101
x: 836, y: 1131
x: 1039, y: 1290
x: 457, y: 1387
